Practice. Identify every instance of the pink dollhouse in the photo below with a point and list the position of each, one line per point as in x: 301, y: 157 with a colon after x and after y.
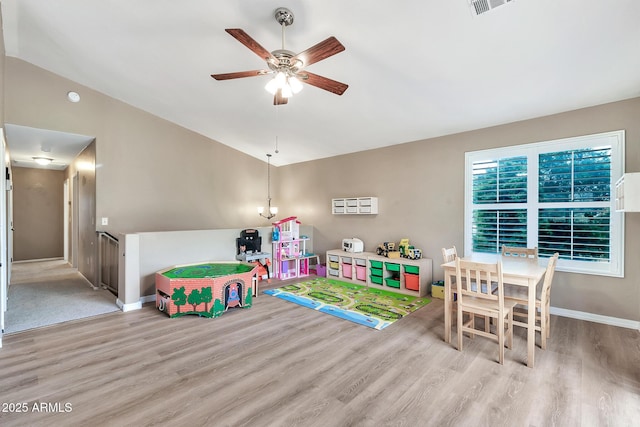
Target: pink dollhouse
x: 290, y: 257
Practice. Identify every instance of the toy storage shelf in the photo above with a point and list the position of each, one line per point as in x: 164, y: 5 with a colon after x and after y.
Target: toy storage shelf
x: 628, y: 193
x: 347, y: 266
x: 407, y: 276
x: 355, y: 206
x: 402, y: 275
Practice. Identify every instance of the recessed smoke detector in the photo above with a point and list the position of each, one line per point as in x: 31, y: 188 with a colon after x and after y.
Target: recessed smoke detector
x: 478, y: 7
x: 73, y: 96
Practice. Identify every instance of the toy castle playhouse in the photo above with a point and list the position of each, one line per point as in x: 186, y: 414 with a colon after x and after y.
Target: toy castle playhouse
x: 290, y: 256
x: 206, y: 289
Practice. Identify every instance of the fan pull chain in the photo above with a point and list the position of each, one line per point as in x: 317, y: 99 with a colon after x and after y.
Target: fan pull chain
x: 269, y: 177
x: 277, y: 121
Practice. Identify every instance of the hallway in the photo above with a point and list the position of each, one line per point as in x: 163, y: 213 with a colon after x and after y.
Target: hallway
x: 47, y: 292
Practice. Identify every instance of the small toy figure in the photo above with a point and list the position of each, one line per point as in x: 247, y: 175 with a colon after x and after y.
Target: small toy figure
x: 388, y: 249
x: 408, y: 251
x: 234, y: 296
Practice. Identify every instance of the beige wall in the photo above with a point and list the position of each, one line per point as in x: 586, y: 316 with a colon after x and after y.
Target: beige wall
x: 154, y: 176
x: 151, y: 175
x: 2, y: 60
x: 38, y: 213
x: 420, y: 186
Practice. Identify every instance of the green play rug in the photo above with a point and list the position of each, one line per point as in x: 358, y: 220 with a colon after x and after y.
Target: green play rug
x: 372, y: 307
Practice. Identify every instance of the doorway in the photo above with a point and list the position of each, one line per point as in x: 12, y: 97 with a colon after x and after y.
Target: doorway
x: 74, y: 249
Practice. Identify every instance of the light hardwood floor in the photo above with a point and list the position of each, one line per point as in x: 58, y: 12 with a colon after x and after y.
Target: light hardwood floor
x: 279, y: 364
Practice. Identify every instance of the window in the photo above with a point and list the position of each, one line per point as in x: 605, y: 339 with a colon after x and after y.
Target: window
x: 556, y: 195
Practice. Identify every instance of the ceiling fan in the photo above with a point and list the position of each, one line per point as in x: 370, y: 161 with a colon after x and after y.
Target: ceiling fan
x: 289, y: 68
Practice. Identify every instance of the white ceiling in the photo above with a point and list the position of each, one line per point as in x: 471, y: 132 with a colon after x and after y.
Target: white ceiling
x: 416, y: 69
x: 25, y: 143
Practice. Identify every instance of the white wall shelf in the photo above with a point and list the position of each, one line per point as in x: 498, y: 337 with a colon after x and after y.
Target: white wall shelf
x: 355, y: 206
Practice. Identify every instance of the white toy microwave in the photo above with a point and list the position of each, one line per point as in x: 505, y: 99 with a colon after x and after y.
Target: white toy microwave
x: 352, y: 245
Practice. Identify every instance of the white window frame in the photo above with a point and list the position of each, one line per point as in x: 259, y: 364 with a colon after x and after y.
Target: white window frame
x: 615, y: 139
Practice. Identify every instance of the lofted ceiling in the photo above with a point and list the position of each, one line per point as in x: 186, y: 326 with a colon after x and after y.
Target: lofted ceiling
x: 416, y: 69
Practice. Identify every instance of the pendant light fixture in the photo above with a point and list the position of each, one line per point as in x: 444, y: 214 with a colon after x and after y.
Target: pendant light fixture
x: 272, y: 210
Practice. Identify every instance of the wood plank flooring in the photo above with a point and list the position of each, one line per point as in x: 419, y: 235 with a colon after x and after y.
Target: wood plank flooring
x: 279, y: 364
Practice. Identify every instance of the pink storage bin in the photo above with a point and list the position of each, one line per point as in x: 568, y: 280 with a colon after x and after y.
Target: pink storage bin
x: 361, y: 272
x: 346, y: 271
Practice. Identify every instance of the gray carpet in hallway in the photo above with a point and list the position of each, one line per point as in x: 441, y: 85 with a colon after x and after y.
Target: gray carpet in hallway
x: 48, y: 292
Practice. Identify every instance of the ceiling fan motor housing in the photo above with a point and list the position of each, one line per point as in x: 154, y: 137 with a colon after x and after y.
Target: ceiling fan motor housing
x: 284, y: 61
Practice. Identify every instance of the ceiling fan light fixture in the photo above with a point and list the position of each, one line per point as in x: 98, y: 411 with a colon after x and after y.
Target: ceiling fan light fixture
x: 271, y: 86
x: 286, y: 91
x: 278, y: 82
x: 286, y: 65
x: 281, y: 79
x: 295, y: 83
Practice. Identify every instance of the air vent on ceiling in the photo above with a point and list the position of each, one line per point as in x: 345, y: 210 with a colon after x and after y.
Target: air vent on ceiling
x: 478, y: 7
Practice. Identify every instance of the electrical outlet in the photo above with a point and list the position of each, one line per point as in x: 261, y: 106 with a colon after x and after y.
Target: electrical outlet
x: 105, y: 221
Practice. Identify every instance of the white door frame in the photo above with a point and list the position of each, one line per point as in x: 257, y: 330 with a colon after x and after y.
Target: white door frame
x: 4, y: 233
x: 67, y: 218
x: 75, y: 213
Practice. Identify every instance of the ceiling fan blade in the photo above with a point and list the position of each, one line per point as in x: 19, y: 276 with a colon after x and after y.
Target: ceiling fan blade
x: 278, y: 99
x: 249, y: 42
x: 323, y: 83
x: 240, y: 74
x: 322, y: 50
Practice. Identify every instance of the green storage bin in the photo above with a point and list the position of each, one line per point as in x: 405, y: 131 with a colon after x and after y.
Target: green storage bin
x: 393, y: 283
x: 391, y: 266
x: 412, y: 269
x: 376, y: 272
x: 376, y: 279
x: 376, y: 264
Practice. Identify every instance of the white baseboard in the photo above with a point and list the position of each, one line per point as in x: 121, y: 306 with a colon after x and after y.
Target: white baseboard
x: 136, y: 305
x: 598, y: 318
x: 148, y: 298
x: 128, y: 307
x: 25, y: 261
